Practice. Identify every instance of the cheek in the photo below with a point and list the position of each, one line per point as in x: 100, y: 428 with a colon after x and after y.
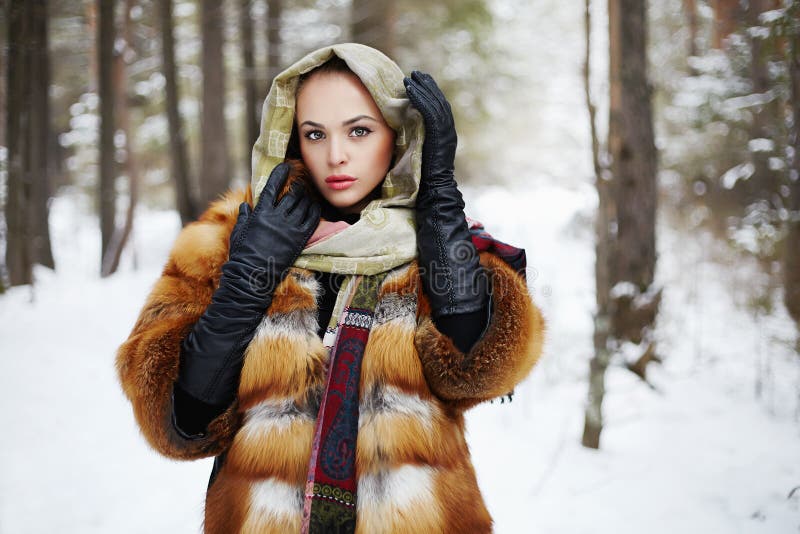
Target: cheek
x: 383, y: 155
x: 311, y: 160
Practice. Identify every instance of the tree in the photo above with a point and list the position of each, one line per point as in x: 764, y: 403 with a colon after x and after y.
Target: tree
x: 765, y: 181
x: 122, y: 234
x: 726, y: 20
x: 28, y: 130
x: 791, y: 260
x: 180, y: 165
x: 108, y: 169
x: 602, y: 356
x: 372, y: 24
x: 214, y: 169
x: 627, y: 299
x: 631, y: 145
x: 690, y: 9
x: 274, y: 44
x: 249, y: 78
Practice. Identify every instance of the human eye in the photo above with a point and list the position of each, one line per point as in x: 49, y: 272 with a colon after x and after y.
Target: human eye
x: 313, y: 135
x: 360, y: 131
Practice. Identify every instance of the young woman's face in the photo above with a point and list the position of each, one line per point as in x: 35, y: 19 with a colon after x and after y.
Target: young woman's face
x: 344, y: 140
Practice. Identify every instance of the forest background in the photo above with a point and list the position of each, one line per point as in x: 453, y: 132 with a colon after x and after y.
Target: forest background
x: 646, y: 154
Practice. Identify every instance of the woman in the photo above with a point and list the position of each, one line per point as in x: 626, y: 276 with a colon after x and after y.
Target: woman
x: 324, y: 344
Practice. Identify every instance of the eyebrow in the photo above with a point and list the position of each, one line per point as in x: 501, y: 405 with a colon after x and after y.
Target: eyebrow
x: 345, y: 123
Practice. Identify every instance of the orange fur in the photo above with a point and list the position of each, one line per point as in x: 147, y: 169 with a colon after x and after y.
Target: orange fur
x: 503, y: 357
x: 407, y: 358
x: 282, y: 453
x: 290, y: 297
x: 395, y: 440
x: 390, y: 354
x: 227, y: 501
x: 456, y: 487
x: 280, y: 367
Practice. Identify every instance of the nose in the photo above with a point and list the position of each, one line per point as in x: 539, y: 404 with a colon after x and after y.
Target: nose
x: 337, y: 153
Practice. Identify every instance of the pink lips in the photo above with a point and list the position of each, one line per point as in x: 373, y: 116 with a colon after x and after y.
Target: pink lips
x: 339, y: 181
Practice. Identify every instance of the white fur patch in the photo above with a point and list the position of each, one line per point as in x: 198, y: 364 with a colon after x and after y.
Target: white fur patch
x: 271, y: 414
x: 396, y: 489
x: 293, y: 326
x: 389, y: 400
x: 274, y: 499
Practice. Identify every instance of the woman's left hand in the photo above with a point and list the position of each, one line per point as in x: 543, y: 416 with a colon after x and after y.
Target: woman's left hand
x: 448, y: 261
x: 439, y: 148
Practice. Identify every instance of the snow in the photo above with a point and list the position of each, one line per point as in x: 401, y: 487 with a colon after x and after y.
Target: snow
x: 761, y: 144
x: 742, y: 171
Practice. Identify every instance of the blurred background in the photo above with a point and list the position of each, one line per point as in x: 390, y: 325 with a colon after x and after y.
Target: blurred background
x: 646, y: 155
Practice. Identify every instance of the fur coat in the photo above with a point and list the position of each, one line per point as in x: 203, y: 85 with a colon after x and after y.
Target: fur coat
x: 413, y: 463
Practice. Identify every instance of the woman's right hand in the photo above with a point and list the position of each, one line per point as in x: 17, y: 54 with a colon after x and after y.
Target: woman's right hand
x: 263, y: 246
x: 267, y: 240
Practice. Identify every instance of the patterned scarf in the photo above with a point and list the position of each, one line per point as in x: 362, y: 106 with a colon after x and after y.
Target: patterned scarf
x: 330, y: 495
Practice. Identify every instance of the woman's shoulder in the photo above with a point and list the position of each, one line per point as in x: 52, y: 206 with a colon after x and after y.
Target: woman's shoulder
x: 202, y: 246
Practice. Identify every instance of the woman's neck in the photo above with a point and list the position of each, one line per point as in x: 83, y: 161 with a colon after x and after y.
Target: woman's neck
x: 330, y: 213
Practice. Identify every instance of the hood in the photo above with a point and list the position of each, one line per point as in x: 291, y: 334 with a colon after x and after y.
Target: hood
x: 384, y: 80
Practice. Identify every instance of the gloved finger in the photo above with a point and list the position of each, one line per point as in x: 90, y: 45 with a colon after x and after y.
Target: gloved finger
x: 311, y: 218
x: 431, y: 88
x: 300, y: 211
x: 293, y: 197
x: 424, y: 105
x: 244, y: 214
x: 436, y: 102
x: 277, y: 179
x: 427, y: 81
x: 419, y: 100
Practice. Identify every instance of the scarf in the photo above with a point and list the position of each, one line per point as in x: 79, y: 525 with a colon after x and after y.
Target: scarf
x: 383, y: 238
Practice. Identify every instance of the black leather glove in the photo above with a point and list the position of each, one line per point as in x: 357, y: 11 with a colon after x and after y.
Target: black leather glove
x: 263, y: 246
x: 452, y: 277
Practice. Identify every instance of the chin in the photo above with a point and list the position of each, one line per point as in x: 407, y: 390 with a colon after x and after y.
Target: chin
x: 343, y: 204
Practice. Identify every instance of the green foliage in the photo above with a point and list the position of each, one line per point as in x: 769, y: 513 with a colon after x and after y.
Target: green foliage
x: 452, y: 40
x: 727, y: 143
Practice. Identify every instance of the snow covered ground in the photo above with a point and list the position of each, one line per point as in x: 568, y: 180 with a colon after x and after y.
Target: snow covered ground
x: 696, y: 454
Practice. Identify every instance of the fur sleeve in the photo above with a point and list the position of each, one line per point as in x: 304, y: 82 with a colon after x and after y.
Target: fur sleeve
x: 498, y: 361
x: 147, y: 362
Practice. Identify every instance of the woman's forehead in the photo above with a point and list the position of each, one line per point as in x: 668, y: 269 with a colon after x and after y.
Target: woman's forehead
x: 335, y: 97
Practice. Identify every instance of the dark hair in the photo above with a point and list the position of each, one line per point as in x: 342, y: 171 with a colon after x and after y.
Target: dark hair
x: 334, y: 65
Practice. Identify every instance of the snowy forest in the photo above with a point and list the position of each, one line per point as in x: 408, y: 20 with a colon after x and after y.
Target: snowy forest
x: 646, y: 154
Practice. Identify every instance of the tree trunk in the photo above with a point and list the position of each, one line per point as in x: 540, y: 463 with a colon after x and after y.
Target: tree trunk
x: 19, y: 250
x: 625, y: 225
x: 107, y: 198
x: 3, y: 73
x: 633, y: 168
x: 214, y: 170
x: 41, y: 135
x: 122, y: 235
x: 372, y: 23
x: 791, y: 262
x: 764, y: 182
x: 249, y: 79
x: 726, y: 20
x: 274, y: 62
x: 180, y: 165
x: 690, y: 9
x: 4, y: 85
x: 28, y: 130
x: 593, y: 422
